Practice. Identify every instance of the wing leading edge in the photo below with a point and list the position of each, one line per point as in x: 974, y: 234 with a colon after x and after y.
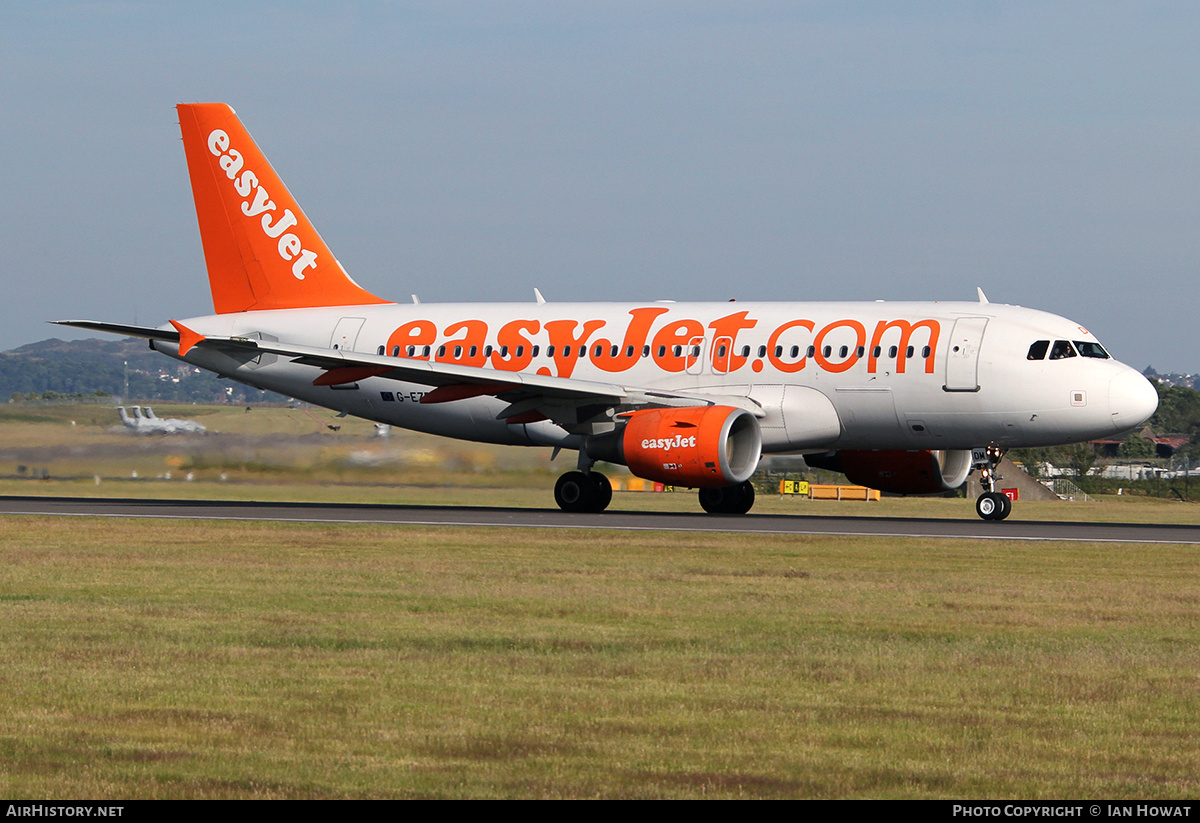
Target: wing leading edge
x: 557, y: 398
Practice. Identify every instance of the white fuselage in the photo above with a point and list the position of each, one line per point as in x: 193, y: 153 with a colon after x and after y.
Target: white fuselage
x: 825, y: 375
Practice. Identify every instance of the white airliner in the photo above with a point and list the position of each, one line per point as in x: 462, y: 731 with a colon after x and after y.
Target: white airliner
x: 895, y: 395
x: 148, y: 422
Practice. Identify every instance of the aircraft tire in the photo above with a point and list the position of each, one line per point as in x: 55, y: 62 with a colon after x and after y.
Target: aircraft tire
x: 745, y: 498
x: 603, y: 492
x: 728, y: 499
x: 1006, y: 507
x: 993, y: 506
x: 575, y: 492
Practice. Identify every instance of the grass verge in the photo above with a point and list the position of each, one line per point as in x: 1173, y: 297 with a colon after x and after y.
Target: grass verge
x: 184, y: 659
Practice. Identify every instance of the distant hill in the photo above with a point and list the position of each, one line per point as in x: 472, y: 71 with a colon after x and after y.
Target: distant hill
x: 56, y: 367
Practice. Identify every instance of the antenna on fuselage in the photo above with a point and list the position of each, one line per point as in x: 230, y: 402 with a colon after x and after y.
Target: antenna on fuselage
x: 416, y: 300
x: 982, y: 296
x: 537, y: 295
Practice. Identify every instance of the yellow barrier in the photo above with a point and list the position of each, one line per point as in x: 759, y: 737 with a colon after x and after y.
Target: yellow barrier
x: 823, y: 492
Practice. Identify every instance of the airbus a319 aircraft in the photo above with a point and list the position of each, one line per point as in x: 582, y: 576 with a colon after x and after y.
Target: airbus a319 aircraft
x: 895, y: 395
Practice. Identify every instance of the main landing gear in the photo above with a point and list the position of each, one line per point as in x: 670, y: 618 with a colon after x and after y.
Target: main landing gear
x: 579, y: 491
x: 728, y: 499
x: 992, y: 505
x: 583, y: 492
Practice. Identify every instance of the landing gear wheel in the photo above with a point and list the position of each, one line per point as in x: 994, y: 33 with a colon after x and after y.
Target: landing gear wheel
x: 737, y: 499
x: 579, y: 492
x: 603, y: 491
x: 993, y: 506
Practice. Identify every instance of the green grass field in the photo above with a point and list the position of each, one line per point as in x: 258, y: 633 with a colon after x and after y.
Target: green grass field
x: 151, y: 659
x: 172, y: 659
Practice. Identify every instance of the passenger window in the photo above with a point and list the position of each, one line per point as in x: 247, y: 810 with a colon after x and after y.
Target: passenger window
x: 1038, y: 350
x: 925, y: 352
x: 380, y: 350
x: 892, y: 352
x: 1090, y: 349
x: 411, y: 351
x: 520, y: 351
x: 825, y: 352
x: 795, y: 351
x: 550, y: 351
x: 629, y: 351
x: 812, y: 350
x: 534, y: 353
x: 474, y: 350
x: 1062, y: 350
x: 745, y: 351
x: 762, y: 351
x: 645, y: 351
x: 662, y: 351
x: 843, y: 351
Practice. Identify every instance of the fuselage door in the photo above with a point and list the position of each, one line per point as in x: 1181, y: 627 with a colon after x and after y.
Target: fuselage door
x: 722, y: 355
x: 962, y: 354
x: 345, y: 333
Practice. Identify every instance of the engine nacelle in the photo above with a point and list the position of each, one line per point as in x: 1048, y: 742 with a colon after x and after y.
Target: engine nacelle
x: 900, y: 472
x: 694, y: 446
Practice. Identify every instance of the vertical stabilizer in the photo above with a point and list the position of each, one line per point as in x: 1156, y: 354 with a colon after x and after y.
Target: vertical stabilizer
x: 260, y: 249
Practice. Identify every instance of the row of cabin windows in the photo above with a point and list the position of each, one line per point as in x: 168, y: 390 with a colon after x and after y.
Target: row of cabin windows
x: 1063, y: 349
x: 677, y: 351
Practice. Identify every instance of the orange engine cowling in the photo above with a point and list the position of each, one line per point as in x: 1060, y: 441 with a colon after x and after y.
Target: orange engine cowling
x: 906, y: 472
x: 694, y: 446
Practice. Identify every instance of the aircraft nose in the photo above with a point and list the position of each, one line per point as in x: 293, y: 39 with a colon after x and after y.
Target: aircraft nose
x: 1132, y: 399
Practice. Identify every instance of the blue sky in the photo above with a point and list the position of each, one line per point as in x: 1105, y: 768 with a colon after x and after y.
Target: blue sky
x: 625, y: 150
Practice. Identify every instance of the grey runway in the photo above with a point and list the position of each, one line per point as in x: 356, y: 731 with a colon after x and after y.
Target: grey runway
x: 491, y: 517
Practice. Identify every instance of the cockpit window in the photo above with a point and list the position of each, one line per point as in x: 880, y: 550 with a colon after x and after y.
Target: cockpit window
x: 1062, y: 350
x: 1089, y: 348
x: 1038, y: 350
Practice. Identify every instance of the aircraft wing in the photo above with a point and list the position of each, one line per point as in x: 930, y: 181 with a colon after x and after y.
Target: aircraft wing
x: 558, y: 398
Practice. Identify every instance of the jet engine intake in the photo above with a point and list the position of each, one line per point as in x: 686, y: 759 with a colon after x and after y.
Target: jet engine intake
x: 693, y: 446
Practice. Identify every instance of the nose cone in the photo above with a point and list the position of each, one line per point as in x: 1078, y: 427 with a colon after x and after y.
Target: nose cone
x: 1132, y: 399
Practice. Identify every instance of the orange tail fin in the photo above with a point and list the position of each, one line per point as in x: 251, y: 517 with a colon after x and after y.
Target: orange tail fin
x: 261, y: 251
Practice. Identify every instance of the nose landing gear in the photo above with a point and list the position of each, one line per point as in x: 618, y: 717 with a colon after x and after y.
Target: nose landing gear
x: 992, y: 505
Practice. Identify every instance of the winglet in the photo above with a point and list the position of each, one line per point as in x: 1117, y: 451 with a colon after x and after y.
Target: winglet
x: 187, y: 338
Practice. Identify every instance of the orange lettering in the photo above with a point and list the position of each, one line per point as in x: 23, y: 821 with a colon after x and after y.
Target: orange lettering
x: 906, y: 330
x: 819, y: 355
x: 679, y: 333
x: 459, y: 352
x: 725, y: 332
x: 773, y: 343
x: 416, y: 333
x: 510, y: 340
x: 562, y: 335
x: 631, y: 347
